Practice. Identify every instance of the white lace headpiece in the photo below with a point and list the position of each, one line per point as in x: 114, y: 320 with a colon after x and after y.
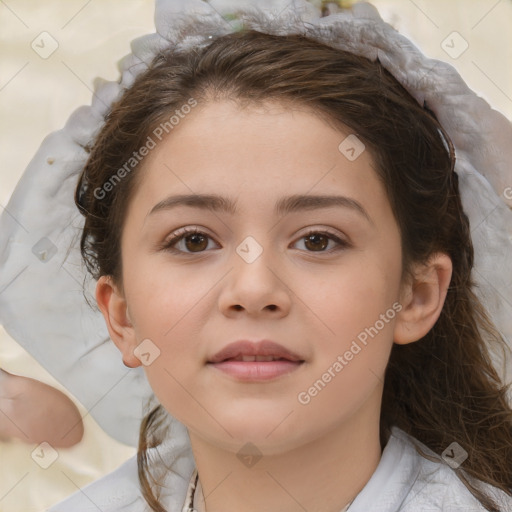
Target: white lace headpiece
x: 41, y: 273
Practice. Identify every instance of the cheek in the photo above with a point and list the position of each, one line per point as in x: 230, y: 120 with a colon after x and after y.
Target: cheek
x: 169, y: 308
x: 355, y: 310
x: 163, y: 297
x: 171, y: 311
x: 351, y: 298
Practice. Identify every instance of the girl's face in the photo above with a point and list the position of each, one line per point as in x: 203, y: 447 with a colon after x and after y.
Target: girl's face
x: 274, y: 260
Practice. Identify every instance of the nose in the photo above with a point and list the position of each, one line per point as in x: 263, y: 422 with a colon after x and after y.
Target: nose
x: 257, y: 287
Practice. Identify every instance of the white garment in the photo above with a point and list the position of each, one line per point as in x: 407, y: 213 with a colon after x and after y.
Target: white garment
x: 404, y: 481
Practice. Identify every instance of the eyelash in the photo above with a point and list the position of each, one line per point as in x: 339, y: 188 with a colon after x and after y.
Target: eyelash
x: 183, y: 233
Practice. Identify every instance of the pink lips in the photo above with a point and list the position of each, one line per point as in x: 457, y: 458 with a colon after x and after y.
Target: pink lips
x: 255, y: 361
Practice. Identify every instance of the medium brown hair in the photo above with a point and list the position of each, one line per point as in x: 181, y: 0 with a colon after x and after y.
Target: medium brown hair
x: 440, y: 389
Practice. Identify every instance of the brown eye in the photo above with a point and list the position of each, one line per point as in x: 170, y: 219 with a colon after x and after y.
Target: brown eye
x: 187, y: 241
x: 316, y: 241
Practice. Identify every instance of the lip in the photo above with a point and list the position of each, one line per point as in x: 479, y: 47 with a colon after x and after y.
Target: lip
x: 259, y: 348
x: 255, y: 370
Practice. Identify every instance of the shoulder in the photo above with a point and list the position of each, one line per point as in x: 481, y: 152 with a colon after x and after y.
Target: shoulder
x: 406, y: 481
x: 438, y: 487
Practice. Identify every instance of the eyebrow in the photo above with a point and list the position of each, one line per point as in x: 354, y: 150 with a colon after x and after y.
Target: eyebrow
x: 283, y: 206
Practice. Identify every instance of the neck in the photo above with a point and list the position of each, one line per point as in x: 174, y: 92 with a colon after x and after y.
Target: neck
x: 322, y: 475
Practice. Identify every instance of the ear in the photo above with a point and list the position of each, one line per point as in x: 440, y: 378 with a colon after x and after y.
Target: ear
x: 114, y: 308
x: 422, y: 298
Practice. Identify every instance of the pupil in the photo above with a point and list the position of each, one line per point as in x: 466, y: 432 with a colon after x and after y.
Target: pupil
x: 195, y: 239
x: 315, y: 238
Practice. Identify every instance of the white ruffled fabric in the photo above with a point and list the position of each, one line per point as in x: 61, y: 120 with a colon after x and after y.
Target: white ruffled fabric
x: 403, y: 481
x: 41, y: 301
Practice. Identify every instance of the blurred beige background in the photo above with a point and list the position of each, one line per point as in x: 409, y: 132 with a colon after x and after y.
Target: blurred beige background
x: 38, y: 94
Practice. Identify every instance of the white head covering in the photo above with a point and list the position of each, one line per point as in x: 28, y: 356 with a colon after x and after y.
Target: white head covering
x: 41, y: 274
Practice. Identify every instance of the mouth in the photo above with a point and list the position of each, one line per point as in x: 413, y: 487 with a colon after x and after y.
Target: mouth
x: 260, y: 361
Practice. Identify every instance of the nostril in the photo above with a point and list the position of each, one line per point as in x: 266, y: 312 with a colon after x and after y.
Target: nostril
x: 272, y: 307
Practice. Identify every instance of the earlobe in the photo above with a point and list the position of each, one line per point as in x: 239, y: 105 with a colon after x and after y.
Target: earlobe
x: 422, y: 298
x: 119, y: 324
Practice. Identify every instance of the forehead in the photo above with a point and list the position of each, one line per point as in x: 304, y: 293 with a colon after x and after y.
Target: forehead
x: 257, y: 152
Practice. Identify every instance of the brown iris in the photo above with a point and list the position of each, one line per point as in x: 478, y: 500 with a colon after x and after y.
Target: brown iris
x: 196, y: 238
x: 317, y: 240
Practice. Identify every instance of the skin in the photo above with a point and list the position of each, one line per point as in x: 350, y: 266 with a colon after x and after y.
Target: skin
x: 317, y: 456
x: 35, y: 412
